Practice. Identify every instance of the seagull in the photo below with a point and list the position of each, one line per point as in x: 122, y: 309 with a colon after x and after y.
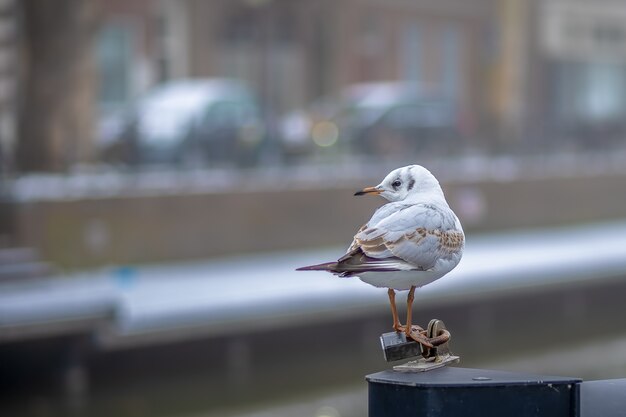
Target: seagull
x: 409, y: 242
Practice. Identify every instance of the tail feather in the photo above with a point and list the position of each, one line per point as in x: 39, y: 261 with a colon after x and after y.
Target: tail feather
x: 355, y: 262
x: 326, y: 266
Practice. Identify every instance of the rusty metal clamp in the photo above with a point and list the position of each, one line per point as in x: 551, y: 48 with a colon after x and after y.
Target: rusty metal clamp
x: 438, y: 337
x: 433, y: 347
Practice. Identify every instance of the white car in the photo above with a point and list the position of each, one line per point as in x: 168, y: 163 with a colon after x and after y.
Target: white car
x: 192, y: 121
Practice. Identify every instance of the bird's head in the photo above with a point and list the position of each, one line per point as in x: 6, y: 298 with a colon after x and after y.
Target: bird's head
x: 405, y: 184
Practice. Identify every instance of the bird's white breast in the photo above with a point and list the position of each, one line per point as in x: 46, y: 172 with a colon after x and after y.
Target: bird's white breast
x: 404, y: 280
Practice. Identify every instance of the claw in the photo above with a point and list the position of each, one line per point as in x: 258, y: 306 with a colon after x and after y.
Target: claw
x: 399, y: 328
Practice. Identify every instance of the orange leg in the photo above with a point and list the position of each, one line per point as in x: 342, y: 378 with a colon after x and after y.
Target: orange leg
x: 409, y: 310
x: 394, y: 311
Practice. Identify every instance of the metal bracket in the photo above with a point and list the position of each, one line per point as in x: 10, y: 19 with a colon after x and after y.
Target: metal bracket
x: 431, y: 344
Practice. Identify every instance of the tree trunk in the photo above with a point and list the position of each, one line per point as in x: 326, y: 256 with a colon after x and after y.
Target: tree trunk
x: 56, y: 114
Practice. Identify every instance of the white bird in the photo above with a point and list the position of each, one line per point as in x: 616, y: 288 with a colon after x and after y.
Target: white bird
x: 409, y: 242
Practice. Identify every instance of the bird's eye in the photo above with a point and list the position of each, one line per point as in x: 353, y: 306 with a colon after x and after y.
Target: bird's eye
x: 396, y: 183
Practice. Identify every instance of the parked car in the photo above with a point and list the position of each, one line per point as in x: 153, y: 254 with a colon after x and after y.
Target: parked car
x: 374, y: 118
x: 189, y: 122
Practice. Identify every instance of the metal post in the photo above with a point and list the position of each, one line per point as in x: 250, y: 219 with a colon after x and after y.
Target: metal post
x: 454, y: 392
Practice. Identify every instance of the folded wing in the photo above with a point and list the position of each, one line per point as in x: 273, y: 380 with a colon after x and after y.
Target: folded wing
x: 411, y: 238
x: 419, y: 235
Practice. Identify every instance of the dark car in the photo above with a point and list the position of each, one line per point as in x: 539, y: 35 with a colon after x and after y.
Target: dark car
x: 375, y: 118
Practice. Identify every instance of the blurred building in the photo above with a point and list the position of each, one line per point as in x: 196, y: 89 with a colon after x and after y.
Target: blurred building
x: 126, y: 51
x: 580, y: 74
x: 292, y: 52
x: 524, y: 73
x: 8, y: 79
x: 559, y: 79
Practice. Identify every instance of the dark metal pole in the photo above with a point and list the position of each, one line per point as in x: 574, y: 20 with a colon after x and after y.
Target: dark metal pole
x: 456, y: 392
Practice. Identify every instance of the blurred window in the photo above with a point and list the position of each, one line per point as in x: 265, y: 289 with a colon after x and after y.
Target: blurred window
x: 604, y: 91
x: 412, y: 53
x: 593, y: 92
x: 114, y: 52
x: 227, y: 114
x: 427, y: 114
x: 402, y: 116
x: 451, y: 63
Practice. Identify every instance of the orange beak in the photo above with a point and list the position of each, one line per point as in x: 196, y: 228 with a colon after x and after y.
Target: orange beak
x: 368, y: 190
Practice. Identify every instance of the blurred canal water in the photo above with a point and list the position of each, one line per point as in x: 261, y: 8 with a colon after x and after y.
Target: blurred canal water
x: 249, y: 336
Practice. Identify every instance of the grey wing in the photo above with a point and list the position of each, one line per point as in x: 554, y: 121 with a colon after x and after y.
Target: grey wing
x: 419, y: 234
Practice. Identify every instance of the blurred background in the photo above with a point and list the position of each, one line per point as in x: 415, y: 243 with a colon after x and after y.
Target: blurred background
x: 166, y: 165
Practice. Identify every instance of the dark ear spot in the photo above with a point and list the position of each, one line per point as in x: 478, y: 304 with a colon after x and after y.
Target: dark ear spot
x: 411, y: 184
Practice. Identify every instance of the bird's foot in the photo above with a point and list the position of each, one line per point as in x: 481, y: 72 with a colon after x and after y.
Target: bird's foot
x: 415, y: 333
x: 419, y: 335
x: 401, y: 328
